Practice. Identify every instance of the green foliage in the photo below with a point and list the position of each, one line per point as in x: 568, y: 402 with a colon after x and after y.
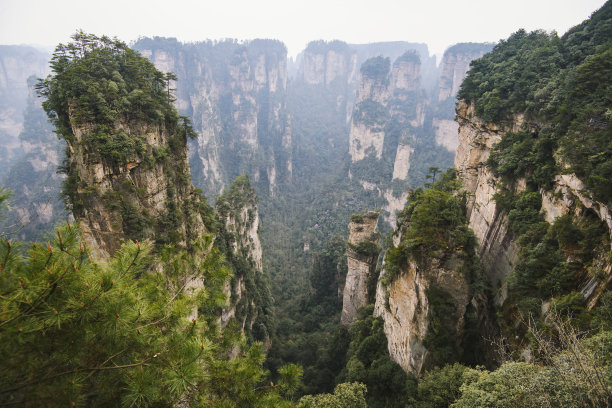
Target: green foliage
x: 525, y: 154
x: 506, y: 79
x: 307, y: 330
x: 563, y: 86
x: 469, y: 48
x: 576, y: 377
x: 4, y: 195
x: 408, y: 56
x: 366, y: 248
x: 236, y: 209
x: 440, y: 387
x: 544, y: 268
x: 370, y: 113
x: 290, y: 379
x: 441, y: 338
x: 347, y: 395
x: 357, y: 218
x: 369, y: 363
x: 79, y: 332
x: 100, y: 84
x: 525, y: 212
x: 432, y: 221
x: 321, y: 47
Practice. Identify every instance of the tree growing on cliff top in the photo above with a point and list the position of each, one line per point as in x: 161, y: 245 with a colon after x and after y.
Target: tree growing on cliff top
x: 100, y: 83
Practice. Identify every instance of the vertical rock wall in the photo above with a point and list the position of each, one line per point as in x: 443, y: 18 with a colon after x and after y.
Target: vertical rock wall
x: 237, y: 208
x: 361, y: 265
x: 404, y: 307
x: 236, y: 95
x: 498, y: 248
x: 453, y: 69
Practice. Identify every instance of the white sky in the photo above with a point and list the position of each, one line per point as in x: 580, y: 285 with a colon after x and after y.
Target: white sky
x: 439, y: 23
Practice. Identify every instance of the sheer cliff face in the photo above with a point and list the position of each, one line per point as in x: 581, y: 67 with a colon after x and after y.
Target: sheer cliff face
x: 453, y: 69
x: 498, y: 248
x: 322, y: 67
x: 381, y: 97
x: 136, y: 197
x: 236, y: 95
x: 369, y: 117
x: 362, y: 256
x: 237, y: 209
x: 330, y: 69
x: 17, y: 64
x: 498, y: 251
x: 390, y: 106
x: 405, y: 308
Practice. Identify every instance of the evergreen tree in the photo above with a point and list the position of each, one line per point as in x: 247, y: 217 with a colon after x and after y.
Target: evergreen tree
x: 79, y: 332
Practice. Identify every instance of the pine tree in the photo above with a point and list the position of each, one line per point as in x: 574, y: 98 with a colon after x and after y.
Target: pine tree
x: 79, y: 332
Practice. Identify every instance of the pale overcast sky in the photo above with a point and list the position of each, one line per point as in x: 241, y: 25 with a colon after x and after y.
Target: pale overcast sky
x: 439, y: 23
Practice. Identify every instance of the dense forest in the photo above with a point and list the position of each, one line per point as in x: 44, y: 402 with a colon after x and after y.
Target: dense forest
x: 488, y: 288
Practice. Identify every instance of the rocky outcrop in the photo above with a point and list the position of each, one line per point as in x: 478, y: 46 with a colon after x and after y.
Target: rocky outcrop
x: 362, y: 256
x: 498, y: 251
x: 323, y: 63
x: 128, y: 177
x: 137, y: 198
x: 402, y: 162
x: 570, y: 195
x: 236, y: 95
x: 367, y: 133
x: 447, y: 134
x: 365, y: 139
x: 237, y: 208
x: 405, y: 308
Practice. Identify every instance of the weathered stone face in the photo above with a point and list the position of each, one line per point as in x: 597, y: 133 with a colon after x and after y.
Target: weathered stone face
x: 498, y: 249
x: 238, y: 105
x: 454, y: 68
x: 360, y: 267
x: 404, y: 307
x: 140, y: 184
x: 396, y: 96
x: 326, y: 66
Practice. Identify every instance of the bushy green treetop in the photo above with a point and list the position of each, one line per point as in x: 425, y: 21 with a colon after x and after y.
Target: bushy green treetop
x: 100, y: 85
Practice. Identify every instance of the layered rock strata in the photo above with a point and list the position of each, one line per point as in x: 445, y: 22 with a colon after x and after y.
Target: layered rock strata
x: 133, y: 199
